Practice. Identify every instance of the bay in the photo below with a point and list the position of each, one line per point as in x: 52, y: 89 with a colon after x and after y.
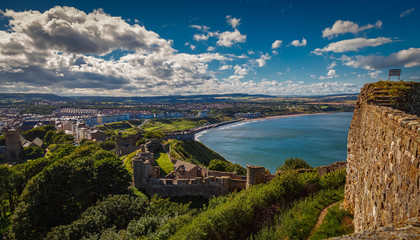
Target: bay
x: 319, y: 139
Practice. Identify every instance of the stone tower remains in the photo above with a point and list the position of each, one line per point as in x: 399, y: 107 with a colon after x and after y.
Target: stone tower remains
x: 383, y: 159
x: 254, y: 175
x: 13, y: 145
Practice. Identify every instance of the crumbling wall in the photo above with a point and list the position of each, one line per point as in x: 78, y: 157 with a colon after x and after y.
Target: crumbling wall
x: 331, y: 168
x: 254, y: 175
x: 205, y: 187
x: 383, y: 163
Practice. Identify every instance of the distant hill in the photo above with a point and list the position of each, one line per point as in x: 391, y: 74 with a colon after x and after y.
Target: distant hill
x: 162, y: 99
x: 172, y: 99
x: 32, y: 97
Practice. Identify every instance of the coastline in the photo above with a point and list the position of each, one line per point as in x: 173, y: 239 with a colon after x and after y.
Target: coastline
x: 285, y: 116
x: 265, y: 164
x: 200, y: 129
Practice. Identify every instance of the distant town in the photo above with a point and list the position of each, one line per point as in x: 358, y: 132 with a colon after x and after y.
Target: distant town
x: 75, y: 115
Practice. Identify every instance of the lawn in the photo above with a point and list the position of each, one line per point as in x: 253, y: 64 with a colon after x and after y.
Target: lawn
x: 181, y: 124
x: 166, y: 166
x: 337, y: 222
x: 168, y: 125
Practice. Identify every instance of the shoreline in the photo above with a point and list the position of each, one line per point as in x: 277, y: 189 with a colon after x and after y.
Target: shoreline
x: 256, y: 119
x: 286, y: 116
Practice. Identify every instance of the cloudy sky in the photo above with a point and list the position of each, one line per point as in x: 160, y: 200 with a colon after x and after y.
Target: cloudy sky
x: 168, y: 47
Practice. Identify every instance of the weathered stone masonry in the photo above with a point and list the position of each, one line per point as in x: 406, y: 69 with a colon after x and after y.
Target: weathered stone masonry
x: 383, y: 163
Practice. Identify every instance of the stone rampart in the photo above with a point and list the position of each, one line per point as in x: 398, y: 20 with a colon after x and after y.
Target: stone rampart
x: 383, y: 163
x: 205, y: 187
x: 331, y: 168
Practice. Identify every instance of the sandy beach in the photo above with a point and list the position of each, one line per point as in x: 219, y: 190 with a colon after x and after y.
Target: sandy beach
x: 285, y: 116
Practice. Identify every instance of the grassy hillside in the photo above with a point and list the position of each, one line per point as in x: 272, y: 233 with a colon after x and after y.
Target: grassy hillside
x: 198, y: 153
x: 273, y: 207
x: 162, y: 160
x: 193, y: 152
x: 181, y: 124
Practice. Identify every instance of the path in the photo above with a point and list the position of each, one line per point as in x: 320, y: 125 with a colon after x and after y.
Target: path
x: 145, y: 121
x: 320, y: 219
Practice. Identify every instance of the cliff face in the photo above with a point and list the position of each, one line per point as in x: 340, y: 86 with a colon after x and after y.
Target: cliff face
x: 383, y: 163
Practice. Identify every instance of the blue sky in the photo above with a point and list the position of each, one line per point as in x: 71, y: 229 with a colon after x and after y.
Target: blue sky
x: 138, y: 48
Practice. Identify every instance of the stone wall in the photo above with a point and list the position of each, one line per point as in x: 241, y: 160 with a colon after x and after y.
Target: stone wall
x: 383, y: 163
x: 331, y: 168
x: 205, y: 187
x: 409, y: 229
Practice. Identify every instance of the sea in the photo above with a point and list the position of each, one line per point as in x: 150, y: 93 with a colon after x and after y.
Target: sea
x: 319, y: 139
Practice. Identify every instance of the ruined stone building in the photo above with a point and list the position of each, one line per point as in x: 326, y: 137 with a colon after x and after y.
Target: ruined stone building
x: 383, y: 161
x: 13, y: 145
x: 189, y: 179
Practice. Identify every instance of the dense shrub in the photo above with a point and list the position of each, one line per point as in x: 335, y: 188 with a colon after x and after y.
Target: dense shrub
x: 294, y: 163
x: 63, y: 190
x: 336, y: 222
x: 31, y: 153
x: 234, y: 218
x: 115, y: 211
x: 108, y: 145
x: 38, y: 132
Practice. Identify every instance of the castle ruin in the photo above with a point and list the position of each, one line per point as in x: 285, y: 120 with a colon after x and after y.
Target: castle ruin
x: 13, y: 145
x: 383, y: 160
x: 189, y: 179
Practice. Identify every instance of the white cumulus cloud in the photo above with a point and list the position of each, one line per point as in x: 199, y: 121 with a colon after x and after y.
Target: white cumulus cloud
x: 297, y: 43
x: 60, y: 50
x: 234, y: 22
x: 240, y: 70
x: 352, y: 45
x: 228, y: 39
x: 262, y: 61
x: 404, y: 58
x: 276, y: 44
x: 332, y: 65
x: 331, y: 74
x: 342, y: 27
x: 374, y: 74
x: 406, y: 12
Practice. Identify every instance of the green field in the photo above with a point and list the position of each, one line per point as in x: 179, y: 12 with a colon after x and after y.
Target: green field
x: 162, y: 160
x: 181, y: 124
x: 193, y: 152
x: 337, y: 222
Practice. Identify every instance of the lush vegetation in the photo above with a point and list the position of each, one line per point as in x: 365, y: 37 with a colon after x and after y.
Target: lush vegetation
x: 81, y: 192
x: 298, y: 221
x: 181, y: 124
x: 294, y: 163
x: 197, y: 153
x: 193, y: 152
x: 220, y: 220
x: 64, y: 189
x: 162, y: 160
x: 225, y: 166
x: 337, y: 222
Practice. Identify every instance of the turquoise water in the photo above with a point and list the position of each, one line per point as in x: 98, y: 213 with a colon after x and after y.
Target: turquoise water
x: 318, y: 139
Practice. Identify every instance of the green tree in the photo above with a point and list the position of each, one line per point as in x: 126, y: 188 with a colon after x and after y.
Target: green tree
x: 10, y: 180
x: 31, y: 153
x: 62, y: 138
x: 140, y: 142
x: 63, y: 190
x: 154, y: 134
x: 108, y: 145
x: 58, y: 151
x: 39, y: 132
x: 3, y: 140
x: 114, y: 211
x: 49, y: 137
x: 218, y: 165
x: 294, y: 163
